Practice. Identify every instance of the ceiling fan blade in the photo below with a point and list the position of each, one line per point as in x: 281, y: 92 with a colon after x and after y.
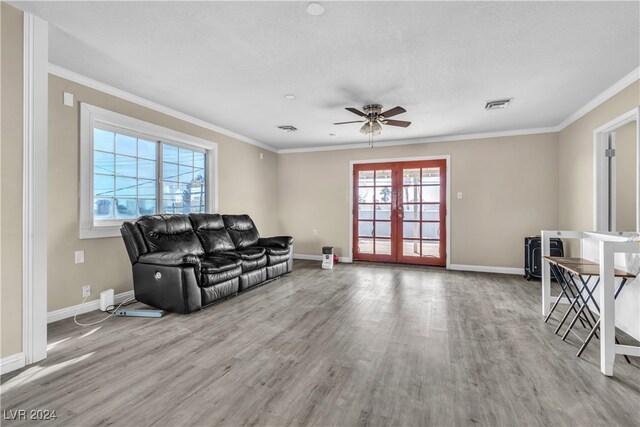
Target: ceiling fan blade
x: 400, y: 123
x: 344, y: 123
x: 356, y: 111
x: 393, y: 112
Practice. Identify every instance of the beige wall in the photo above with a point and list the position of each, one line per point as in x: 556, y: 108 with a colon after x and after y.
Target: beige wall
x: 509, y: 186
x: 576, y: 158
x: 11, y: 183
x: 626, y: 176
x: 246, y: 185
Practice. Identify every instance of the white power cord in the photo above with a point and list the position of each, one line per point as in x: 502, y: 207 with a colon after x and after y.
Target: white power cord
x: 101, y: 320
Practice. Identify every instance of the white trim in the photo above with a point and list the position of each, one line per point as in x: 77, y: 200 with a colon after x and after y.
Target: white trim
x: 600, y: 185
x: 34, y: 189
x: 445, y: 157
x: 487, y: 269
x: 343, y: 259
x: 110, y: 90
x: 91, y: 115
x: 65, y: 313
x: 427, y: 140
x: 608, y: 93
x: 11, y: 363
x: 94, y: 84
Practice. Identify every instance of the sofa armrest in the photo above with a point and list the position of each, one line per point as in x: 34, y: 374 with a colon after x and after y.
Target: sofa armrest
x: 277, y: 241
x: 170, y: 259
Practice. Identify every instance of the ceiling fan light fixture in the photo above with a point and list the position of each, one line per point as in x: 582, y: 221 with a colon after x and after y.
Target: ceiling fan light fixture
x: 315, y: 9
x: 366, y: 128
x: 376, y: 128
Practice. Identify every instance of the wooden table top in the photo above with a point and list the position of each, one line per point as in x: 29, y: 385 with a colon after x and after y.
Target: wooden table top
x: 584, y: 267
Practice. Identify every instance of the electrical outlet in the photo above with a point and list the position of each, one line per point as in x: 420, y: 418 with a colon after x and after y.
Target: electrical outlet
x: 86, y: 291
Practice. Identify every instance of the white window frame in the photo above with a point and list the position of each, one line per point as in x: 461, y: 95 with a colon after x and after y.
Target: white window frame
x: 90, y: 116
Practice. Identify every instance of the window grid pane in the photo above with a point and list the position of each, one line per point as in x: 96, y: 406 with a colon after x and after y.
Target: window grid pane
x: 184, y: 178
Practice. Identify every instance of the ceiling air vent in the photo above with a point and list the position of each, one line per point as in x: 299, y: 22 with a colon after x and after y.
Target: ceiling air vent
x: 497, y: 104
x: 287, y: 128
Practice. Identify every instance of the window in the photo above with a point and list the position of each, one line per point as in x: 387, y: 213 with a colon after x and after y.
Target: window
x: 132, y: 168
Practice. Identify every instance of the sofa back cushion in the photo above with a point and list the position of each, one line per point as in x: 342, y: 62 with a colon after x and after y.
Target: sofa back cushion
x: 242, y: 230
x: 210, y: 230
x: 133, y: 240
x: 170, y: 233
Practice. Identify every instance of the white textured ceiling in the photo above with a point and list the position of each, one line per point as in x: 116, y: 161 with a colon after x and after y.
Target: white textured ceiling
x: 231, y: 63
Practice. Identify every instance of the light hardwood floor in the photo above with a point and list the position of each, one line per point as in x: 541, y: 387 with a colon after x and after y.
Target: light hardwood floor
x: 363, y: 344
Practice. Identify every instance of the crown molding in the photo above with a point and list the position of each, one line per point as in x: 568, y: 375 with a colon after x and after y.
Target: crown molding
x: 119, y: 93
x: 428, y: 140
x: 94, y: 84
x: 608, y: 93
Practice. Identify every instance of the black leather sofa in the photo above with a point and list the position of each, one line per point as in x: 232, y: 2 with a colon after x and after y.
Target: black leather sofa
x: 182, y: 263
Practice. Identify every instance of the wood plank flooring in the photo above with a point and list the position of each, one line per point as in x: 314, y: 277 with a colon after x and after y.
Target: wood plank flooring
x: 363, y: 344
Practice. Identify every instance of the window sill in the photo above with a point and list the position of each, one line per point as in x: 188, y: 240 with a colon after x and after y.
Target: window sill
x: 99, y: 232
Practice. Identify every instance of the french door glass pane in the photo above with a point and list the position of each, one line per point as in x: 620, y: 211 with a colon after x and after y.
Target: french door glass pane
x: 431, y: 249
x: 383, y: 246
x: 365, y: 178
x: 365, y: 195
x: 383, y: 194
x: 365, y: 228
x: 365, y: 246
x: 411, y: 194
x: 411, y: 229
x: 383, y: 212
x: 411, y: 176
x: 383, y: 178
x: 431, y: 176
x: 431, y: 193
x: 411, y: 212
x: 430, y: 230
x: 365, y: 211
x: 431, y: 212
x: 383, y: 229
x: 411, y: 248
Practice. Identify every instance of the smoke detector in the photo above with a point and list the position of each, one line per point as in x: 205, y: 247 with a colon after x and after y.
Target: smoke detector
x: 497, y: 104
x: 288, y: 128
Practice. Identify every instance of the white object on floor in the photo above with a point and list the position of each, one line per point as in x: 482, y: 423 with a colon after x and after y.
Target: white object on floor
x: 106, y: 299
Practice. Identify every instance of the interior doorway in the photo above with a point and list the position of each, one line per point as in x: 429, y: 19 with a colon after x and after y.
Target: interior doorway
x: 399, y: 212
x: 617, y: 174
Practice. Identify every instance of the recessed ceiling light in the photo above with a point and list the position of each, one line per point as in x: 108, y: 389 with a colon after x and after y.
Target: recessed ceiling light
x: 497, y: 104
x: 289, y: 97
x: 315, y: 9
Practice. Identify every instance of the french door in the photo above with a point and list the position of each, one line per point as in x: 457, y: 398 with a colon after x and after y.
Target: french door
x: 399, y: 212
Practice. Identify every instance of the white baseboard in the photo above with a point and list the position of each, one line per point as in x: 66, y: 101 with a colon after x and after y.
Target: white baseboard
x: 344, y: 259
x: 487, y: 269
x: 11, y: 363
x: 65, y: 313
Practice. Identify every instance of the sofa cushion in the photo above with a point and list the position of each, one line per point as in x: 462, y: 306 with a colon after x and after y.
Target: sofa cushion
x: 216, y: 269
x: 246, y: 254
x: 172, y: 233
x: 277, y: 241
x: 218, y: 264
x: 277, y: 259
x: 242, y: 230
x: 210, y: 230
x: 277, y: 251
